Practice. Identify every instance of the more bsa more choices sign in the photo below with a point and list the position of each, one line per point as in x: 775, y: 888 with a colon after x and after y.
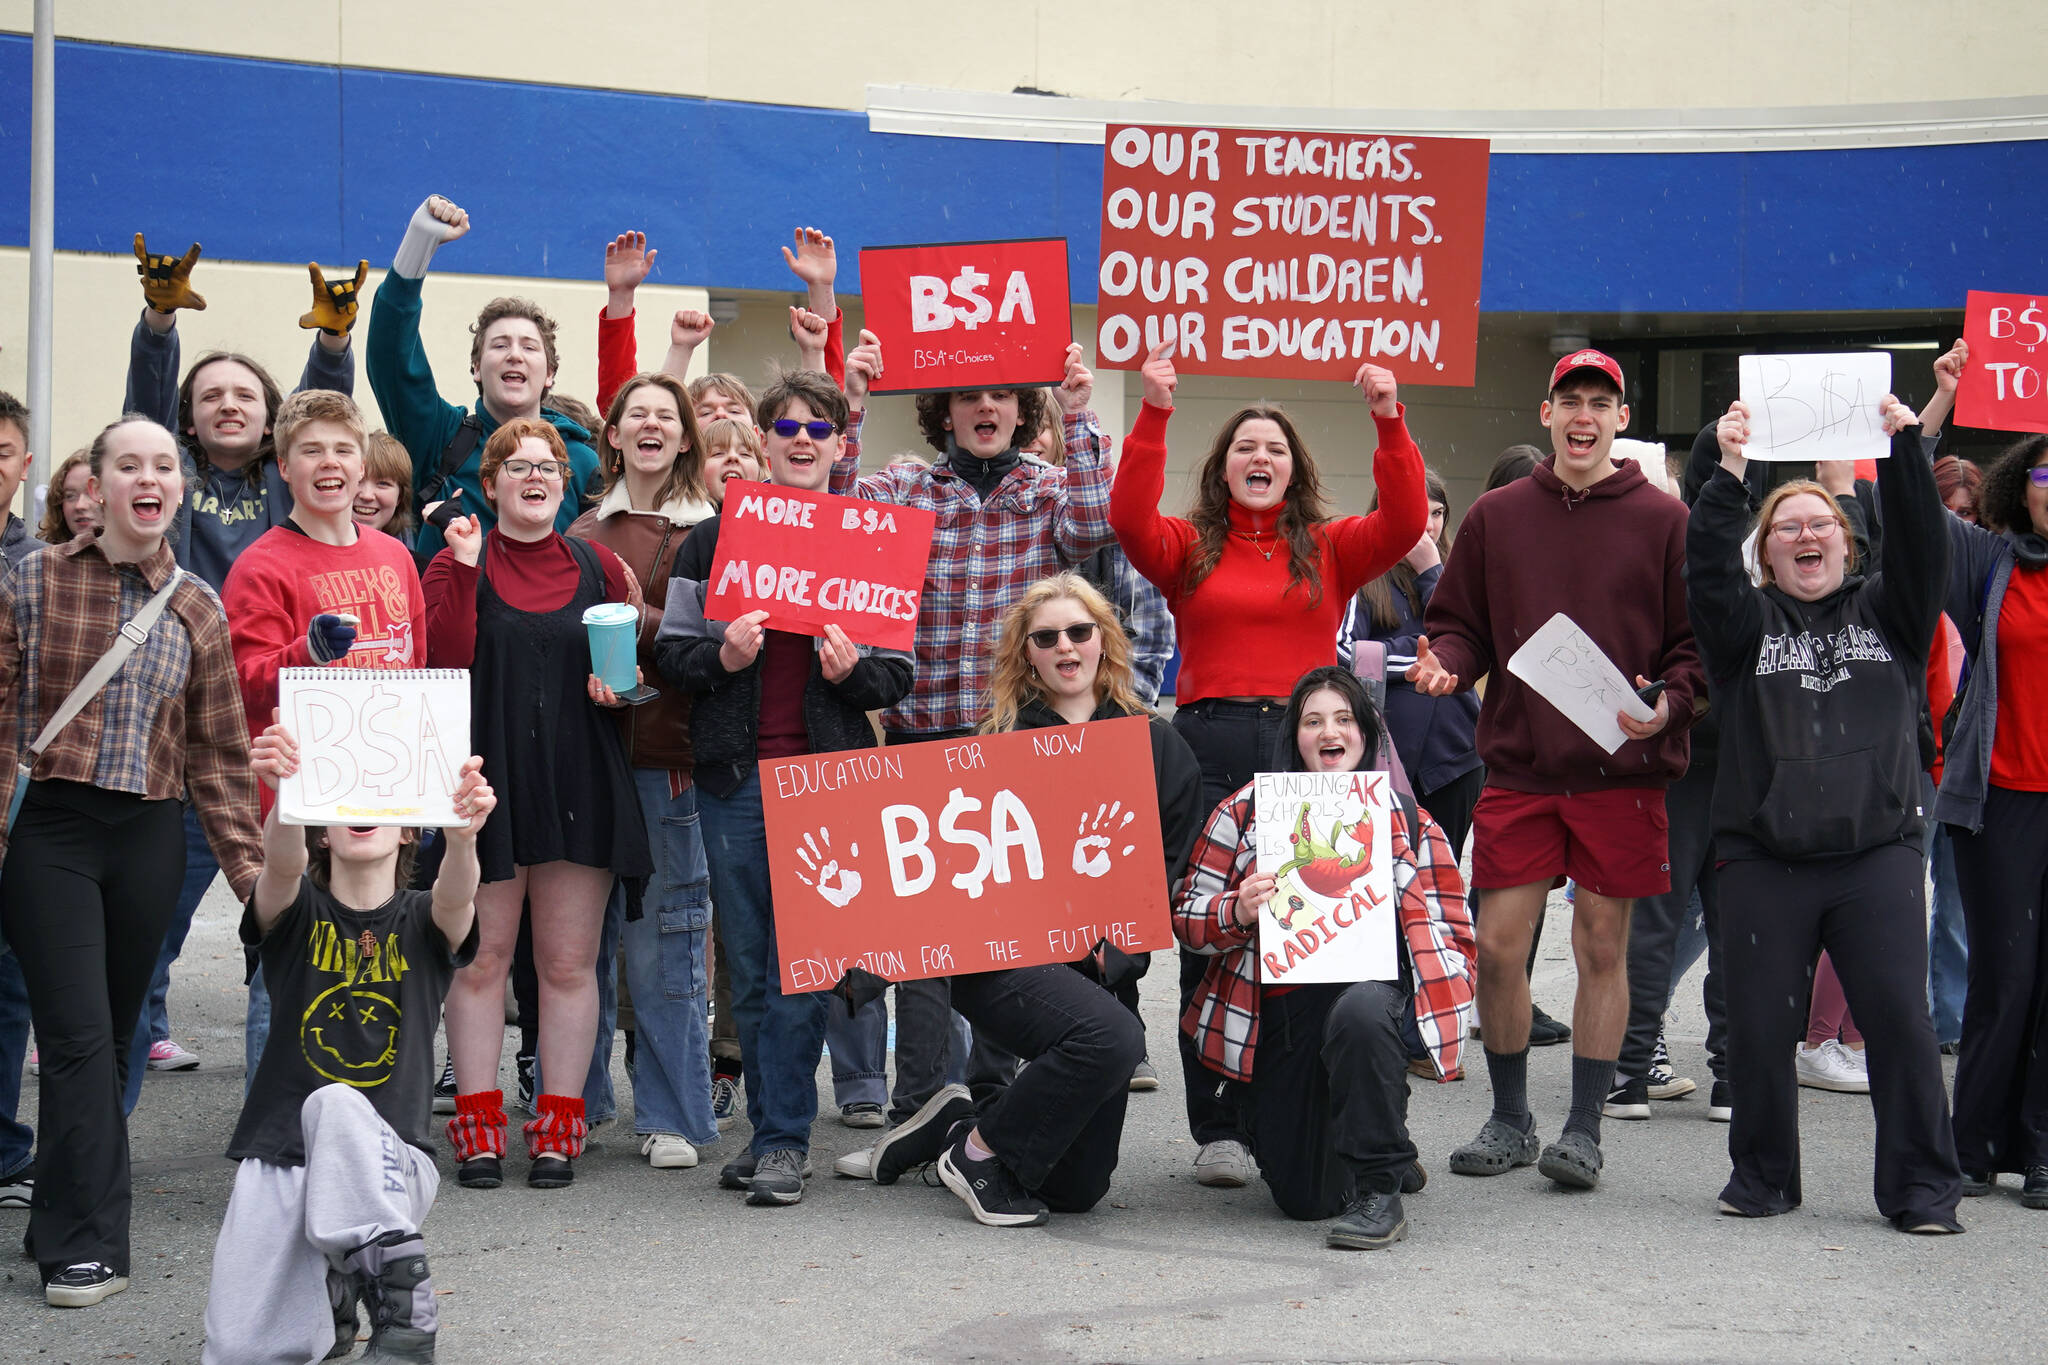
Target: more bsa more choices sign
x: 816, y: 559
x: 2005, y: 385
x: 965, y: 855
x: 969, y: 315
x: 1292, y: 255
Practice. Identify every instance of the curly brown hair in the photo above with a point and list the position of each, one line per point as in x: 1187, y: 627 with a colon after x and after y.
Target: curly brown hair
x: 932, y: 413
x: 1302, y: 506
x: 2002, y: 500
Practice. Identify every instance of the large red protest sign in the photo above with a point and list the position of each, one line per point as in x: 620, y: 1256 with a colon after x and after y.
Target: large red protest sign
x: 1292, y: 255
x: 965, y: 855
x: 815, y: 559
x: 968, y: 315
x: 2005, y: 385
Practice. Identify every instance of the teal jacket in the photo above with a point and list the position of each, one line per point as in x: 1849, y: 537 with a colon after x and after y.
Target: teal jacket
x: 425, y: 422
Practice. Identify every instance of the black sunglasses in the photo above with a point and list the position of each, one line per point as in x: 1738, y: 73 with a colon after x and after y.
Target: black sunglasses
x: 787, y: 427
x: 1080, y: 633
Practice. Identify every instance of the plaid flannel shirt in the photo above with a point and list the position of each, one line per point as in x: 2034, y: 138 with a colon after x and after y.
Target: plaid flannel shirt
x: 1038, y: 521
x: 169, y: 720
x: 1435, y: 928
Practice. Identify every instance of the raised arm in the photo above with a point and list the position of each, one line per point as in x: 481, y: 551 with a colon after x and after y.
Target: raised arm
x: 1913, y: 560
x: 816, y: 262
x: 627, y: 259
x: 1366, y: 547
x: 455, y: 885
x: 1726, y: 614
x: 1081, y: 522
x: 274, y: 756
x: 153, y: 348
x: 1156, y: 545
x: 400, y: 375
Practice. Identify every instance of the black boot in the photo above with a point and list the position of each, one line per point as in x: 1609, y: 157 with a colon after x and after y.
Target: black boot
x: 342, y: 1294
x: 403, y: 1315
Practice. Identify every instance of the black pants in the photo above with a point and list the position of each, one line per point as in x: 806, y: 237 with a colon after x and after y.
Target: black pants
x: 1232, y: 741
x: 1058, y: 1125
x: 1327, y: 1107
x: 91, y: 882
x: 1654, y: 925
x: 1451, y: 806
x: 2002, y: 1075
x: 1869, y: 912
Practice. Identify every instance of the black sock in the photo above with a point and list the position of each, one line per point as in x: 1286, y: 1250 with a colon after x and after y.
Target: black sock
x: 1592, y: 1079
x: 1509, y: 1072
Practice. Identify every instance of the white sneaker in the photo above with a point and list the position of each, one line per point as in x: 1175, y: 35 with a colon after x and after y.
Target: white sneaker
x: 856, y: 1165
x: 1225, y: 1163
x: 165, y: 1055
x: 1831, y: 1066
x: 668, y: 1151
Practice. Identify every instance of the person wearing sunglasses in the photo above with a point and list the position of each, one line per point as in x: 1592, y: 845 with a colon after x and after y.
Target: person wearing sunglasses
x: 759, y: 694
x: 1048, y: 1142
x: 1994, y: 803
x: 508, y: 604
x: 1257, y: 575
x: 1817, y: 674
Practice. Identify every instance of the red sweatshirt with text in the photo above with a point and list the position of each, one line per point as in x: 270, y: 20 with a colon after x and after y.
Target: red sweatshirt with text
x: 1612, y: 558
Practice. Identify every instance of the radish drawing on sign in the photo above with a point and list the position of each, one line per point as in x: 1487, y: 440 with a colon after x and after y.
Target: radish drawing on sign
x: 838, y: 885
x: 1091, y: 847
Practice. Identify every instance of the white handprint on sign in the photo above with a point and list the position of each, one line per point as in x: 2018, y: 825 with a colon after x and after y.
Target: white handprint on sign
x: 836, y: 884
x: 1091, y: 847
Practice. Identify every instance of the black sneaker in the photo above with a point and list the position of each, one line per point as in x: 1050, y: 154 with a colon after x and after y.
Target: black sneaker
x: 1628, y: 1100
x: 1545, y: 1031
x: 918, y: 1140
x: 1573, y: 1160
x: 82, y: 1285
x: 2034, y: 1193
x: 1414, y: 1178
x: 444, y: 1089
x: 988, y: 1189
x: 1372, y: 1222
x: 18, y: 1189
x: 738, y: 1174
x: 1977, y: 1184
x: 1720, y: 1103
x: 778, y: 1177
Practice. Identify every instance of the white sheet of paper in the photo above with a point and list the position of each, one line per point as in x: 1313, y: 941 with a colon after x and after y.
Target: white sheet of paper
x: 1324, y: 837
x: 1564, y: 667
x: 376, y: 746
x: 1816, y: 407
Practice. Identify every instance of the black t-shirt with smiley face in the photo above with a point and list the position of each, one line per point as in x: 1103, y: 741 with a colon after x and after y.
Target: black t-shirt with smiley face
x: 355, y: 996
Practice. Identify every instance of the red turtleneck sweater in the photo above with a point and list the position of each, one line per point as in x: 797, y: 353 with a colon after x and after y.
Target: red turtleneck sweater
x: 1246, y: 630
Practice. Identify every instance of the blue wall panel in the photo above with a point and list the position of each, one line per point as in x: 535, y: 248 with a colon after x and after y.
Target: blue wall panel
x: 279, y: 162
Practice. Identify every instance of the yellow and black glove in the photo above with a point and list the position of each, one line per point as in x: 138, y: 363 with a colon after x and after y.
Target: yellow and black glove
x: 167, y: 280
x: 334, y: 301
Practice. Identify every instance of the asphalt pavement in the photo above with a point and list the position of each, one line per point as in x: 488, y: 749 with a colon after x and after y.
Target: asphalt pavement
x: 631, y: 1264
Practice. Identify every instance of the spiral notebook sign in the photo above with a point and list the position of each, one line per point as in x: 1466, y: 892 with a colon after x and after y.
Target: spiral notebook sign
x: 376, y: 746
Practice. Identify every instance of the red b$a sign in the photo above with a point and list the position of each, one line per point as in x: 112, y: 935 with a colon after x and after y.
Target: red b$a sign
x: 816, y: 559
x: 1292, y: 255
x: 965, y: 855
x: 969, y: 315
x: 2005, y: 385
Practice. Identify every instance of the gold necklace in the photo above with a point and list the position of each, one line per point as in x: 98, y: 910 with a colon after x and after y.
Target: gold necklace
x: 1251, y: 538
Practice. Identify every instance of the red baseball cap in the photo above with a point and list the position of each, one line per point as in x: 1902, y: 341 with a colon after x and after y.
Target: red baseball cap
x: 1588, y: 359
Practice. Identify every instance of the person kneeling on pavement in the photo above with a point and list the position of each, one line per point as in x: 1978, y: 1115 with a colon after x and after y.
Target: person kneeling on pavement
x: 337, y: 1170
x: 1326, y: 1104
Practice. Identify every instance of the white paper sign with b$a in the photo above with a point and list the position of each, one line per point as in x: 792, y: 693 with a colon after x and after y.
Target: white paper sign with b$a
x: 376, y: 746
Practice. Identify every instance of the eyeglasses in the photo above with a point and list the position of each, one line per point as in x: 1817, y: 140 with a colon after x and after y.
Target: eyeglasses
x: 787, y: 427
x: 1822, y: 527
x: 1080, y: 633
x: 519, y: 469
x: 2038, y: 476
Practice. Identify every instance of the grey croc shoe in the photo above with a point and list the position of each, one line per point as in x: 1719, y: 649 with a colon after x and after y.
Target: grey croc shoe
x: 1573, y: 1160
x: 1497, y: 1150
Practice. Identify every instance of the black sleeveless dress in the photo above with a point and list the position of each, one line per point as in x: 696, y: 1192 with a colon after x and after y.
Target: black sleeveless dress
x: 565, y: 792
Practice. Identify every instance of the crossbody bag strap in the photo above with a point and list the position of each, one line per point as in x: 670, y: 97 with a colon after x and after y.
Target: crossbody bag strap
x: 132, y: 633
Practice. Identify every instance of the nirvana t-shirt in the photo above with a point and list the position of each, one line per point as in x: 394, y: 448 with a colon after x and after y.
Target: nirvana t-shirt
x: 355, y: 996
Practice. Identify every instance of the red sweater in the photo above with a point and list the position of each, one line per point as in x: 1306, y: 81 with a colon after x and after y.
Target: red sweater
x: 1612, y: 559
x: 280, y: 583
x: 1246, y: 630
x: 535, y: 575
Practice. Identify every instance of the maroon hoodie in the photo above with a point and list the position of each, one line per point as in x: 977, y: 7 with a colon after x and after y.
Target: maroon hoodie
x: 1613, y: 559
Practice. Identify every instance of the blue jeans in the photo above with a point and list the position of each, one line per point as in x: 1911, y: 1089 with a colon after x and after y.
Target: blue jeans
x: 782, y: 1037
x: 1948, y: 948
x: 17, y: 1139
x: 665, y: 970
x: 200, y: 869
x: 860, y: 1052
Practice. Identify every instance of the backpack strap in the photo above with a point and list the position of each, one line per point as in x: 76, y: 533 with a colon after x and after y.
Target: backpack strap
x: 453, y: 456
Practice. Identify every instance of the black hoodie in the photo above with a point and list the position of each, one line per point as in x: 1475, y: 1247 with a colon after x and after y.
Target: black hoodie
x: 1174, y: 770
x: 1819, y: 701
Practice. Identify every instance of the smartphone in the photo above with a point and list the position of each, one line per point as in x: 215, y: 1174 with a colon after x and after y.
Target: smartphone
x: 1648, y: 695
